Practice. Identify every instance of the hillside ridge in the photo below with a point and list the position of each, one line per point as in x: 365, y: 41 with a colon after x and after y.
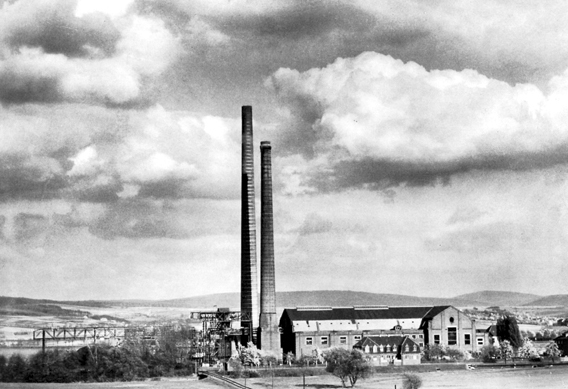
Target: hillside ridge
x: 290, y: 299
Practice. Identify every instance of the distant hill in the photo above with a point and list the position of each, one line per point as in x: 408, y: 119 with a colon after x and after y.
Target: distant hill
x: 547, y: 301
x: 22, y: 301
x: 229, y: 300
x: 347, y: 298
x: 499, y: 298
x: 334, y: 298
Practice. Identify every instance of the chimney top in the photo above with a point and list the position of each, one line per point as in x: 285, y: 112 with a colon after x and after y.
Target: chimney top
x: 265, y: 144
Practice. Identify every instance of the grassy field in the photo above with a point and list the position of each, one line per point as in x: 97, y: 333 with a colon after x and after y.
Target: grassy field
x: 179, y: 383
x: 552, y: 378
x: 556, y: 377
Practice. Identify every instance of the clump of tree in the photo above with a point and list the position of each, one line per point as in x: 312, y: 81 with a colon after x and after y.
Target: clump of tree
x: 437, y: 351
x: 249, y: 355
x: 97, y: 363
x: 432, y: 352
x: 14, y: 369
x: 348, y: 366
x: 508, y: 329
x: 316, y: 357
x: 411, y: 381
x: 527, y: 350
x: 552, y: 351
x: 546, y: 334
x: 135, y: 359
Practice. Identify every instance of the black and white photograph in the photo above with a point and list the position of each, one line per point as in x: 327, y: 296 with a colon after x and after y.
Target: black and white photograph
x: 283, y: 194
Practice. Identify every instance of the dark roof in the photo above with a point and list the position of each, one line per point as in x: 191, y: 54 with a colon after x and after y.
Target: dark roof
x: 384, y: 340
x: 432, y: 314
x: 397, y: 340
x: 297, y: 314
x: 436, y: 310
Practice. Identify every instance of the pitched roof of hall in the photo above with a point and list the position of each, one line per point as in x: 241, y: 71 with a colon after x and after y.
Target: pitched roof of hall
x: 355, y: 313
x: 436, y: 310
x: 384, y: 340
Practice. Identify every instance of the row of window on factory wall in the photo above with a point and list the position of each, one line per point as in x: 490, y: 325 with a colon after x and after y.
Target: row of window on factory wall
x: 324, y: 340
x: 453, y: 338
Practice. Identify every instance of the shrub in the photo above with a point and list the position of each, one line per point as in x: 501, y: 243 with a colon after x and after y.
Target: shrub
x: 16, y: 369
x: 305, y: 360
x: 489, y: 353
x: 268, y: 359
x: 290, y: 358
x: 249, y: 355
x: 455, y: 354
x: 3, y: 368
x: 411, y: 381
x: 433, y: 351
x: 251, y: 374
x: 236, y: 368
x: 294, y: 372
x: 528, y: 350
x: 53, y: 366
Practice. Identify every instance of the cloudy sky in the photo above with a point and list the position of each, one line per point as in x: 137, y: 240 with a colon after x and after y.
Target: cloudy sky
x: 419, y: 147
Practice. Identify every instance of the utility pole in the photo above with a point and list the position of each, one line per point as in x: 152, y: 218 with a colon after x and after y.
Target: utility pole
x: 43, y: 341
x: 304, y: 377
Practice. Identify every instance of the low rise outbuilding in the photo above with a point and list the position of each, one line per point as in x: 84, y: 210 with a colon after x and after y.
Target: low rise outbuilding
x: 390, y: 349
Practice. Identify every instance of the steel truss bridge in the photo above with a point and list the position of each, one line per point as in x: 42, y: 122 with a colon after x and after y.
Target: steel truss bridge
x: 79, y: 333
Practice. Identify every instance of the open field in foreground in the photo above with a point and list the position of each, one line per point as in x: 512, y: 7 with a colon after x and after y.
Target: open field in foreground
x: 556, y: 377
x: 173, y: 383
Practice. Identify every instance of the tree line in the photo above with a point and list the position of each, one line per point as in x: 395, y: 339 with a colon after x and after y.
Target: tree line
x: 135, y: 359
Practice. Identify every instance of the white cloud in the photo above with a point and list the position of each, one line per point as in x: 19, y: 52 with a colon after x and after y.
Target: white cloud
x: 146, y: 45
x: 155, y: 167
x: 109, y: 62
x: 373, y: 106
x: 201, y: 32
x: 198, y: 154
x: 85, y: 163
x: 114, y: 8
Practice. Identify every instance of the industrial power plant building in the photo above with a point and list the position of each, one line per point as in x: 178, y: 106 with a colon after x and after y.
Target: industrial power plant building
x: 305, y: 329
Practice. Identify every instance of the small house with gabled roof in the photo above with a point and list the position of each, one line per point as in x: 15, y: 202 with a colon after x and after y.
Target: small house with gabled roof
x: 390, y: 349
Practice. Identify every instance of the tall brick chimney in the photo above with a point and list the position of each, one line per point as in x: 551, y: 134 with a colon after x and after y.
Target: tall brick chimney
x: 269, y: 333
x: 249, y: 281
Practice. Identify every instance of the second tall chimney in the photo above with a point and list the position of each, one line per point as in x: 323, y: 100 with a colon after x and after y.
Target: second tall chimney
x: 269, y: 333
x: 249, y: 282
